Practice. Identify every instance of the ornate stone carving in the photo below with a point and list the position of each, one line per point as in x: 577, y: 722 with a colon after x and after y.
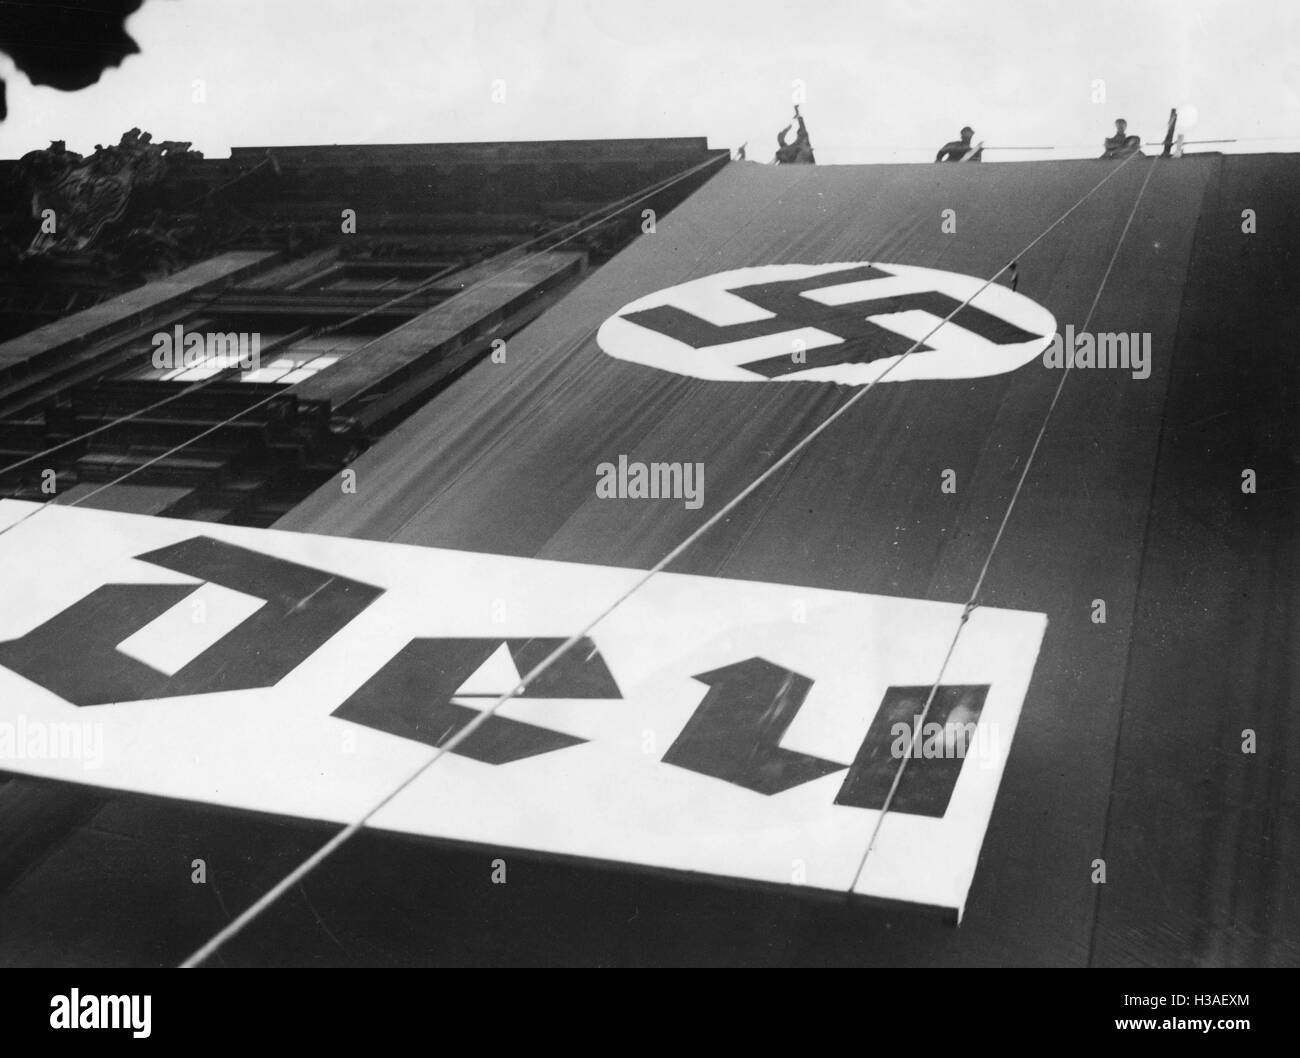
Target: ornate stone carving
x: 89, y: 196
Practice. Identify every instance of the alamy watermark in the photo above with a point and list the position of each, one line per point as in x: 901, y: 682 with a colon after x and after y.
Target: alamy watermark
x: 75, y: 1011
x: 177, y: 349
x: 52, y: 740
x: 651, y: 481
x: 953, y: 740
x: 1128, y: 352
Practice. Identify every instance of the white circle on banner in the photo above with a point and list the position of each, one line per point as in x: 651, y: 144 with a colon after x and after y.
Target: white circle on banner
x: 810, y: 323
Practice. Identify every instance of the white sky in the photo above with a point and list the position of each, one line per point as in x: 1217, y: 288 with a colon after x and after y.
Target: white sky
x: 885, y: 79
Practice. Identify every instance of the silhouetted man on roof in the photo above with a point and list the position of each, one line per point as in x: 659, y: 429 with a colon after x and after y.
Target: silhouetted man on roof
x: 1121, y: 145
x: 798, y: 153
x: 956, y: 150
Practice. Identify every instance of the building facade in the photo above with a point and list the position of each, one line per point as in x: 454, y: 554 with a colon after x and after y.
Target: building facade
x: 212, y: 339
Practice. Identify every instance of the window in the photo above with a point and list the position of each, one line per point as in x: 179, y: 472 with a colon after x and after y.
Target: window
x: 250, y: 350
x: 367, y: 277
